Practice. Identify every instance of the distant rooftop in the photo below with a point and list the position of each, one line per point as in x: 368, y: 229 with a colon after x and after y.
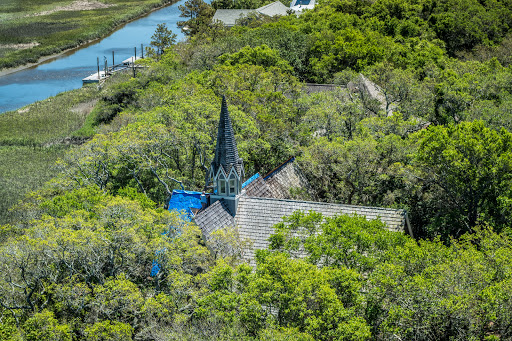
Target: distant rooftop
x: 229, y: 16
x: 275, y: 8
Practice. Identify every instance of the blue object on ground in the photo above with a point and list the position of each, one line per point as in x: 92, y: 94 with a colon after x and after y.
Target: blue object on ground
x: 155, y: 269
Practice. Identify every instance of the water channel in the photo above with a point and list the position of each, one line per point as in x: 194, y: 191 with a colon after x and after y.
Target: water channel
x: 67, y: 70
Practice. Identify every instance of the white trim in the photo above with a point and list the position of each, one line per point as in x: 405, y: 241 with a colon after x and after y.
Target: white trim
x: 221, y: 169
x: 233, y: 171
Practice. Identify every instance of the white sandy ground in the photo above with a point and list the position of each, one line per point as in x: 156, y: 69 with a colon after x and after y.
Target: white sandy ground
x: 18, y: 46
x: 78, y: 5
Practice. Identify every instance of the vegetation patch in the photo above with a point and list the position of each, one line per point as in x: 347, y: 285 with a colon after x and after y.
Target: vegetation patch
x: 78, y: 5
x: 56, y: 25
x: 396, y: 119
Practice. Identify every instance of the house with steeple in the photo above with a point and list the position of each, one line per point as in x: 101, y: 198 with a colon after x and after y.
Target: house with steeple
x: 253, y: 207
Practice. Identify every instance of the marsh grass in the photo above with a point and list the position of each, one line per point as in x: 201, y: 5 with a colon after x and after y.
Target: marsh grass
x: 45, y: 121
x: 34, y: 137
x: 61, y: 30
x: 29, y: 142
x: 24, y: 169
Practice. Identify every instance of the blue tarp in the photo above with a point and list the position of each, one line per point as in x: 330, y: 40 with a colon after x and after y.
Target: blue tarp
x: 155, y: 269
x: 251, y: 179
x: 183, y: 201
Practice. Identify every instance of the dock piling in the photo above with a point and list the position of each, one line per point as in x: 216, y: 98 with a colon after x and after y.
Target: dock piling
x: 110, y: 70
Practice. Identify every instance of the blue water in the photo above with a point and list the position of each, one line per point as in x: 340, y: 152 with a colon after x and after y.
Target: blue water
x: 67, y: 71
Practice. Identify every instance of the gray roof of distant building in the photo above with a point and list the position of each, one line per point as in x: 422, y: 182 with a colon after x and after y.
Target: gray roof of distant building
x: 229, y: 16
x: 275, y: 8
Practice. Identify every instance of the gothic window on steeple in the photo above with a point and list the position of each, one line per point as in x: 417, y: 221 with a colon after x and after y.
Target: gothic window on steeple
x: 232, y: 184
x: 222, y: 185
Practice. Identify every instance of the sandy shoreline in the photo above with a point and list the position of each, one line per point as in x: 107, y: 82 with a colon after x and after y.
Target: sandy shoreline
x: 41, y: 60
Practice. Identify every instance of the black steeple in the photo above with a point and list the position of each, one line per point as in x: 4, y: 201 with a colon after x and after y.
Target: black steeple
x: 227, y: 170
x: 226, y: 152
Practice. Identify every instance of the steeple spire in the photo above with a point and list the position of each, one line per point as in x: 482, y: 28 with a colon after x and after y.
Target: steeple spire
x: 226, y: 170
x: 226, y: 152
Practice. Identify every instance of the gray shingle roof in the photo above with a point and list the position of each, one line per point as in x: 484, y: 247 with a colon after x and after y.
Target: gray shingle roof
x: 284, y: 178
x: 258, y: 188
x: 373, y: 91
x: 275, y: 8
x: 256, y: 216
x: 229, y: 16
x: 214, y: 217
x: 226, y: 152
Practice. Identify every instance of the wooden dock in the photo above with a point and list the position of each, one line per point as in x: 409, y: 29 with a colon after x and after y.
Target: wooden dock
x: 94, y: 78
x: 129, y: 61
x: 107, y: 71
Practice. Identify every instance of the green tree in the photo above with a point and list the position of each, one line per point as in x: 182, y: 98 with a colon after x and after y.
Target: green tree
x: 342, y: 241
x: 319, y: 304
x: 44, y: 326
x: 199, y: 14
x: 260, y: 55
x: 162, y: 39
x: 109, y: 331
x: 465, y: 169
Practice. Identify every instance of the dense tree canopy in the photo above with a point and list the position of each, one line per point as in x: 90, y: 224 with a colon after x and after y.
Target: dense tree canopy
x: 416, y: 116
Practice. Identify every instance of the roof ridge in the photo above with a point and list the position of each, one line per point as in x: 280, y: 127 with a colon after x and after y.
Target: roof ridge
x: 268, y: 5
x: 322, y: 203
x: 273, y: 171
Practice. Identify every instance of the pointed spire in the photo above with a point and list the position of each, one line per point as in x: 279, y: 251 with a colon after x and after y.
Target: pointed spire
x: 226, y: 152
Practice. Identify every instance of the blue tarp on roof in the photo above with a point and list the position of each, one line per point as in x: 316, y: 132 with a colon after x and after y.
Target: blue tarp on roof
x: 183, y: 201
x: 251, y: 179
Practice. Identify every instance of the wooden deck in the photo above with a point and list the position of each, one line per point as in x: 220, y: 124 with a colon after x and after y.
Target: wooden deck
x: 124, y: 65
x: 94, y: 78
